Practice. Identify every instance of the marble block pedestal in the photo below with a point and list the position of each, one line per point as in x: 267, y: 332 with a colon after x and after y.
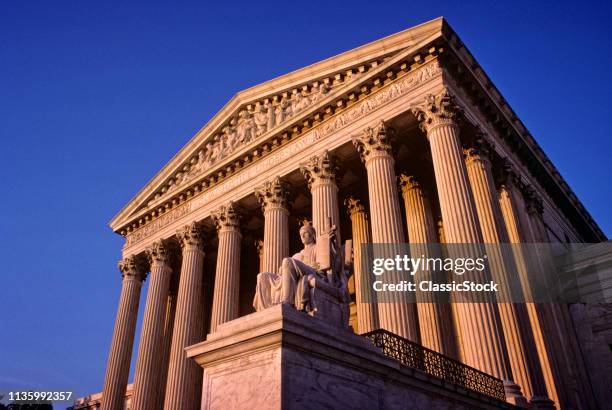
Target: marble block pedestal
x: 281, y: 358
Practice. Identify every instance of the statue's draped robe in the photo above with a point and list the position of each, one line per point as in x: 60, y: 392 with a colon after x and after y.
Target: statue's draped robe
x: 291, y: 285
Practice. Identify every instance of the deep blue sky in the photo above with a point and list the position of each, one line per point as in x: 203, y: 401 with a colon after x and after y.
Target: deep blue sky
x: 94, y: 99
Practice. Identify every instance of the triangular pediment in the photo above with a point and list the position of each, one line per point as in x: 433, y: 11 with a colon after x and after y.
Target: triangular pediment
x: 263, y: 110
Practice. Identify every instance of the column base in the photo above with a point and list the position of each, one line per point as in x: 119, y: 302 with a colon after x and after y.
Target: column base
x: 281, y: 358
x: 514, y: 394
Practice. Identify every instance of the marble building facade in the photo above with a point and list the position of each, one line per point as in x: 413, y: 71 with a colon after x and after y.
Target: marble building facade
x: 404, y: 139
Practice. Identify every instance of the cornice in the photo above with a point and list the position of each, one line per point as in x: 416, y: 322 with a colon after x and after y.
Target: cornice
x: 468, y: 74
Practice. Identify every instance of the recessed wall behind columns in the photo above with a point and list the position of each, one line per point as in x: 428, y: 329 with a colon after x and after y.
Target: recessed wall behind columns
x: 384, y: 104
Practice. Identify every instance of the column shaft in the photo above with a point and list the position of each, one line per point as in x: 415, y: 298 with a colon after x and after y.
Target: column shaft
x: 483, y: 342
x: 367, y: 312
x: 118, y: 367
x: 521, y: 345
x: 182, y: 389
x: 227, y: 276
x: 151, y: 336
x: 435, y: 316
x: 511, y: 204
x: 276, y: 227
x: 396, y: 313
x: 320, y: 172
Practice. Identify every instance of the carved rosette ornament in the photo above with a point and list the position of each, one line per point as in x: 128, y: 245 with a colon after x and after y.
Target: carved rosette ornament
x: 374, y: 142
x: 354, y: 206
x: 272, y: 194
x: 226, y: 217
x: 133, y: 268
x: 436, y: 110
x: 320, y: 169
x: 190, y: 235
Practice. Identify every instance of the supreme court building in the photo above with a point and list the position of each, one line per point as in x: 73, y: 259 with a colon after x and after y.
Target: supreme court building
x: 403, y: 140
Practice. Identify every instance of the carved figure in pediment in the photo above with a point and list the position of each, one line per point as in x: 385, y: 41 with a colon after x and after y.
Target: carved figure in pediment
x: 298, y: 102
x: 246, y: 128
x: 319, y: 91
x: 282, y: 111
x: 270, y: 110
x: 261, y: 118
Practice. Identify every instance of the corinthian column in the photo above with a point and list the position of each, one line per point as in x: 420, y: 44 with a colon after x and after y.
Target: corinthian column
x: 182, y: 387
x: 272, y: 197
x: 152, y: 333
x: 435, y: 323
x: 512, y: 207
x: 396, y: 314
x: 227, y: 276
x: 367, y: 313
x: 521, y: 345
x: 320, y: 173
x: 483, y: 344
x: 118, y: 367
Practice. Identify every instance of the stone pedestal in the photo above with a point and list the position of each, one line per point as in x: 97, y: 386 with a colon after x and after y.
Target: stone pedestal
x: 281, y: 358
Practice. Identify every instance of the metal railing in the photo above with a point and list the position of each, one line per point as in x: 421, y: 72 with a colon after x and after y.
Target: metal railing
x: 414, y: 355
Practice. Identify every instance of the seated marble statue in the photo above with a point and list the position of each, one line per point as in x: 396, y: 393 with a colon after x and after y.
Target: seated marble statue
x: 313, y: 280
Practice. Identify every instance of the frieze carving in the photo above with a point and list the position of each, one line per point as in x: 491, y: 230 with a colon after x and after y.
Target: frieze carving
x: 250, y: 124
x: 394, y: 90
x: 159, y: 223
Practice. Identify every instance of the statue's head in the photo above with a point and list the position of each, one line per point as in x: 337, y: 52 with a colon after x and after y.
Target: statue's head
x: 308, y: 234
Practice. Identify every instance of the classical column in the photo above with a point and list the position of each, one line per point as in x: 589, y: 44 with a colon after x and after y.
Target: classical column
x: 170, y: 313
x: 259, y: 247
x: 152, y: 333
x: 118, y: 367
x: 182, y: 389
x: 555, y: 318
x: 513, y: 212
x: 522, y: 350
x: 272, y: 197
x: 320, y: 173
x: 396, y: 314
x: 483, y: 344
x: 367, y: 312
x: 435, y: 316
x: 227, y: 276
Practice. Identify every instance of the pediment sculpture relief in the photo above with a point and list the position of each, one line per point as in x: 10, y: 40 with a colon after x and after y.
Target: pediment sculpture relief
x: 250, y: 123
x: 314, y: 280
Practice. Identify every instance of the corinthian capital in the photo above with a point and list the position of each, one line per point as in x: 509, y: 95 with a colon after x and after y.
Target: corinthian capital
x: 132, y: 267
x: 481, y: 148
x: 226, y: 217
x: 354, y: 206
x: 190, y: 235
x: 439, y: 109
x: 319, y: 168
x: 408, y: 182
x: 158, y: 252
x: 373, y: 141
x: 533, y: 201
x: 272, y: 194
